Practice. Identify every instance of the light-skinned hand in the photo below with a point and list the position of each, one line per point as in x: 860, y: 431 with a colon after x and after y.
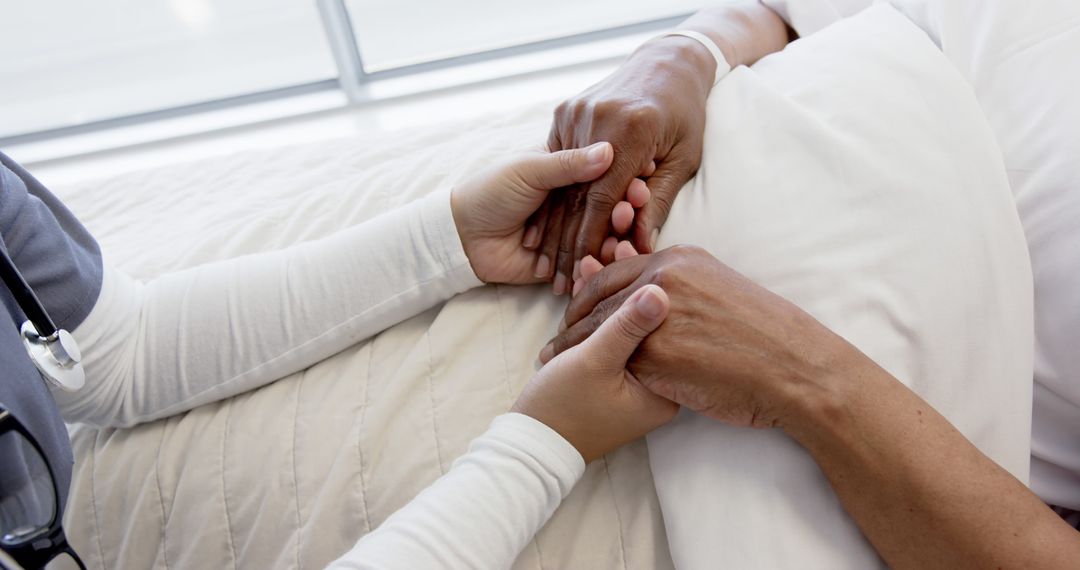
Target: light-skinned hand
x: 586, y: 393
x: 490, y: 208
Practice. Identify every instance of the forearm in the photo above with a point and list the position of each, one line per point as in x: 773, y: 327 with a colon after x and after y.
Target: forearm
x: 920, y: 491
x: 483, y: 512
x: 189, y: 338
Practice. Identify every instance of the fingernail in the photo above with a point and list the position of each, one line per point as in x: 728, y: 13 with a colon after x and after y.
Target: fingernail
x: 653, y: 238
x: 543, y: 265
x: 532, y: 235
x: 597, y: 153
x: 560, y: 284
x: 547, y: 353
x: 650, y: 305
x: 578, y: 285
x: 577, y: 270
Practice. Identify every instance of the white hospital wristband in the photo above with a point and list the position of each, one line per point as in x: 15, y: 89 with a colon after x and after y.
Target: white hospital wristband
x: 722, y: 65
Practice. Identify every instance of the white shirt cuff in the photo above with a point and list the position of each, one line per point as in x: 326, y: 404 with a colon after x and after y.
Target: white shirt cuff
x: 544, y: 444
x: 443, y: 241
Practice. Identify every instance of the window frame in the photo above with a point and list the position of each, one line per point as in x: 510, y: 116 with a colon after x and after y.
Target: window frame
x: 352, y: 81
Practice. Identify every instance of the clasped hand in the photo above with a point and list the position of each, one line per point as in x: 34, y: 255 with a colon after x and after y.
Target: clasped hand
x: 652, y: 110
x: 729, y: 349
x: 586, y: 394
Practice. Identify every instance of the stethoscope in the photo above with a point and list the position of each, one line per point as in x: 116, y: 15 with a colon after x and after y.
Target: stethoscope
x: 53, y: 350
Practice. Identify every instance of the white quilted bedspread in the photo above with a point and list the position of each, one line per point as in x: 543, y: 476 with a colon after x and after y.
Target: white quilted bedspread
x: 291, y: 475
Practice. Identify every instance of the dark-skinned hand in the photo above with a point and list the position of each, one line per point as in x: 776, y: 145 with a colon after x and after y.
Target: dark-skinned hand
x: 652, y: 111
x: 729, y: 349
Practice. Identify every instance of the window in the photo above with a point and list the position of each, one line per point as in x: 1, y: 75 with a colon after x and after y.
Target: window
x: 73, y: 67
x: 395, y: 33
x: 69, y: 62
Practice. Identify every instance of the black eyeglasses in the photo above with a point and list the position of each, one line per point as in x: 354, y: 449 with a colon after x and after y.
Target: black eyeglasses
x: 30, y: 529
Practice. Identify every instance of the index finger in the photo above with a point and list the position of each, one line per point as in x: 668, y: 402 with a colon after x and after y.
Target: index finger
x: 607, y: 282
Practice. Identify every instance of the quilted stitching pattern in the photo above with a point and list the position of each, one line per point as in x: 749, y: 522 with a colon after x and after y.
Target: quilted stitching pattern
x: 290, y: 475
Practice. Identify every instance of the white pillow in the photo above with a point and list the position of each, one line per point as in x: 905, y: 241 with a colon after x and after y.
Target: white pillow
x: 1023, y: 61
x: 854, y: 174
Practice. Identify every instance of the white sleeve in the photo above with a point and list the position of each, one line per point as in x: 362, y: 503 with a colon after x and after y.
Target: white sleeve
x: 809, y: 16
x: 482, y: 512
x: 158, y: 348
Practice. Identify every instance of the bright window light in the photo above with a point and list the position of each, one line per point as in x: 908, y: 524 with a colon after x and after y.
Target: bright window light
x: 69, y: 62
x: 396, y: 33
x: 71, y: 67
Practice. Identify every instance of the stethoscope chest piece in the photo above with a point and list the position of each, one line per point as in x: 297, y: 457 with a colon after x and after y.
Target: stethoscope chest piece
x: 57, y: 357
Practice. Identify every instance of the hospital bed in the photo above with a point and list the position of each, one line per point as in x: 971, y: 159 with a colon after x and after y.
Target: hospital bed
x: 855, y: 174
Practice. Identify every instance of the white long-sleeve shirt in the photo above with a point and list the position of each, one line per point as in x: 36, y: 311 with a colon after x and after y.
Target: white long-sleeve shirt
x: 165, y: 346
x: 483, y: 512
x: 154, y: 349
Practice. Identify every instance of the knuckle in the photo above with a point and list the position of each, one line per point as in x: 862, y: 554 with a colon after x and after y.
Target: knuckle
x: 580, y: 108
x: 628, y: 326
x: 587, y: 241
x: 608, y: 107
x: 642, y: 115
x: 596, y: 286
x: 595, y: 319
x: 600, y: 203
x: 685, y: 251
x: 610, y: 306
x: 662, y: 202
x: 661, y: 277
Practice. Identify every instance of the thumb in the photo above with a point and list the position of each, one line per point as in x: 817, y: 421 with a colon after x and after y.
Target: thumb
x: 547, y: 171
x: 615, y: 341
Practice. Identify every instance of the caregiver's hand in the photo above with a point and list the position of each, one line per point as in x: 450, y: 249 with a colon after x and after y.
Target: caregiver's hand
x: 490, y: 208
x: 729, y: 349
x: 652, y: 110
x: 587, y: 395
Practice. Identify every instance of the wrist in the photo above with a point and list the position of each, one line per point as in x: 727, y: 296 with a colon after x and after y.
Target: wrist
x: 461, y: 225
x: 554, y: 421
x: 744, y: 31
x: 679, y: 56
x: 831, y: 393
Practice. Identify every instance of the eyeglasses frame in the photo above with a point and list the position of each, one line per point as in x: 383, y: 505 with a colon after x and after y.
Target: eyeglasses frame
x: 38, y: 549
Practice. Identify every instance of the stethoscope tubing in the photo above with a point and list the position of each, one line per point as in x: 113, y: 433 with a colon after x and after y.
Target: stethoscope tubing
x: 24, y: 295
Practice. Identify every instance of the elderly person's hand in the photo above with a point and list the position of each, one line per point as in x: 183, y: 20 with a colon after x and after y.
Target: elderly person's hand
x: 730, y: 349
x: 587, y: 395
x: 652, y: 109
